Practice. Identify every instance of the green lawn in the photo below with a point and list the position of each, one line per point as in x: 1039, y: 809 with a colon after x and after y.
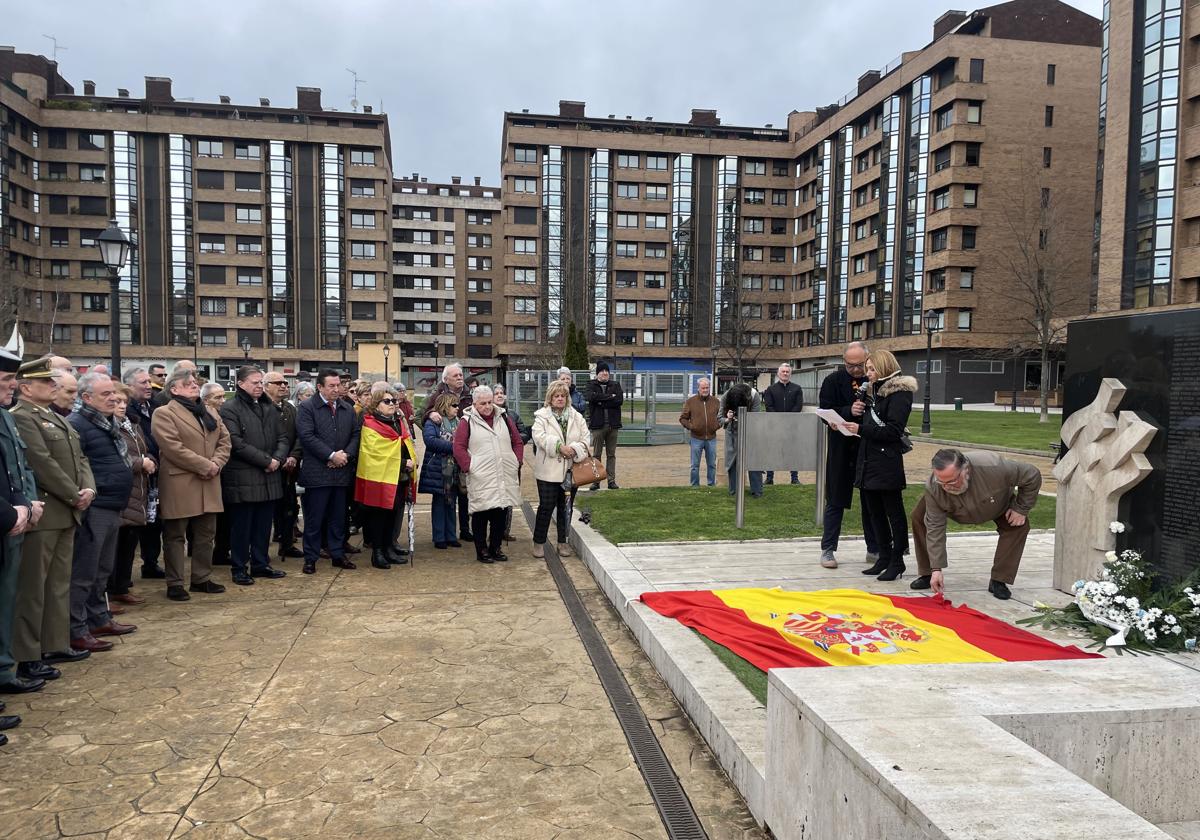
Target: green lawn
x: 1015, y: 429
x: 749, y: 675
x: 669, y: 514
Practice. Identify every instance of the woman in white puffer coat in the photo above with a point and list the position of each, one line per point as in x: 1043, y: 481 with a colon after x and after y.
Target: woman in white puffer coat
x: 560, y: 438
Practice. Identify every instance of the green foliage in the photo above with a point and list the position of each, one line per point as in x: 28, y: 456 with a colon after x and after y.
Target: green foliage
x: 576, y: 351
x: 1013, y: 429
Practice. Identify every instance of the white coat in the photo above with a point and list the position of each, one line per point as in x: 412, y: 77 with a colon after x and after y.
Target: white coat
x: 493, y: 481
x: 548, y: 464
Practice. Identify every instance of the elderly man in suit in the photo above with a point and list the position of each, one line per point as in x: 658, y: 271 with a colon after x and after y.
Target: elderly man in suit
x: 287, y: 509
x: 328, y: 432
x: 66, y: 488
x: 193, y: 446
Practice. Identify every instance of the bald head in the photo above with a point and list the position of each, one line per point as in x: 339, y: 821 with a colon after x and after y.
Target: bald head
x: 183, y: 364
x: 61, y: 363
x: 68, y: 386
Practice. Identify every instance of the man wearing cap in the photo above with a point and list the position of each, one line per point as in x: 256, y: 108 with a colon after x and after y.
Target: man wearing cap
x: 604, y: 398
x: 19, y: 512
x: 66, y: 489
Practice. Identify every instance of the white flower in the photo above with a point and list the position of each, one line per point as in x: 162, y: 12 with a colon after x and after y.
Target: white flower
x: 1176, y: 629
x: 1120, y: 599
x: 1169, y: 619
x: 1110, y: 556
x: 1116, y: 527
x: 1150, y: 635
x: 1132, y: 603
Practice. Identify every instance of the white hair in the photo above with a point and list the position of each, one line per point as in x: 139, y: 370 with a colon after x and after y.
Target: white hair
x: 380, y: 386
x: 481, y: 391
x: 446, y: 370
x: 89, y: 381
x: 562, y: 370
x: 210, y: 388
x: 303, y: 388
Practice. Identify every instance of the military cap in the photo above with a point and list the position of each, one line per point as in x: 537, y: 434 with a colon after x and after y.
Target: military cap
x: 37, y: 369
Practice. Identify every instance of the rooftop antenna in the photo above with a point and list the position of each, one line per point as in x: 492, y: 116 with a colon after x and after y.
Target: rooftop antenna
x: 57, y: 48
x: 357, y: 82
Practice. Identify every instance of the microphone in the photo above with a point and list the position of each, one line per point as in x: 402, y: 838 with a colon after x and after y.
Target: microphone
x: 862, y: 394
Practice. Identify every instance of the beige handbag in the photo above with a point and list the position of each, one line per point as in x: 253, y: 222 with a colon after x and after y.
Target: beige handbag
x: 588, y: 471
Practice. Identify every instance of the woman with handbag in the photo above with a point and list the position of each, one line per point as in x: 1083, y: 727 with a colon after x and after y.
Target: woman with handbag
x: 560, y: 435
x: 439, y: 473
x: 879, y: 472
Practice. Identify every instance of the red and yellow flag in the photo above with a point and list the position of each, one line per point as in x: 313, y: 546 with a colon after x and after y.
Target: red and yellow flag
x: 774, y: 628
x: 380, y: 452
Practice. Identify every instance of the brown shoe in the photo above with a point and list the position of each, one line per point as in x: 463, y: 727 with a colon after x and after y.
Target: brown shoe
x: 91, y: 644
x: 114, y: 610
x: 113, y: 628
x: 127, y: 598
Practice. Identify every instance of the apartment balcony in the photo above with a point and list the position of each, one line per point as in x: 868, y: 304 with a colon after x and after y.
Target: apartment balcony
x: 957, y: 90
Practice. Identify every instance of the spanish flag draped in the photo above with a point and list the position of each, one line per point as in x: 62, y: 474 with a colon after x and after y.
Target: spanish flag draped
x: 773, y: 628
x: 380, y: 452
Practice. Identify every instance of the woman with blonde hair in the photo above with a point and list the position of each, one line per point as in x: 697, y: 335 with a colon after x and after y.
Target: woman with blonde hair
x: 879, y: 472
x: 560, y: 437
x: 439, y: 473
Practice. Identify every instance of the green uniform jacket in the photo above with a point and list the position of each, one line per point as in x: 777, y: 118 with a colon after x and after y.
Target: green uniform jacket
x: 58, y: 463
x: 20, y: 478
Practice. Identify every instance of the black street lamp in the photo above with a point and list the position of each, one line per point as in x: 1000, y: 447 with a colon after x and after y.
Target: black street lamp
x: 387, y: 351
x: 114, y: 252
x: 246, y: 349
x: 343, y: 331
x: 932, y: 318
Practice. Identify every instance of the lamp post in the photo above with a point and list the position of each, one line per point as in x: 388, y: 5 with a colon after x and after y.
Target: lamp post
x: 387, y: 351
x: 931, y: 326
x: 114, y: 251
x: 343, y: 331
x: 246, y: 350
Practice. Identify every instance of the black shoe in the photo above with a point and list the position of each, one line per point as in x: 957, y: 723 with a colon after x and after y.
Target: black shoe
x: 397, y: 556
x: 3, y: 739
x: 242, y: 579
x: 880, y: 566
x: 209, y: 587
x: 921, y: 582
x: 19, y: 685
x: 222, y: 561
x: 37, y: 670
x: 500, y: 556
x: 3, y: 706
x: 612, y: 485
x: 310, y: 568
x: 465, y: 536
x: 894, y: 570
x: 1000, y: 590
x: 268, y: 572
x: 153, y: 573
x: 178, y: 593
x: 68, y: 655
x: 456, y: 543
x: 440, y: 546
x: 290, y: 551
x: 344, y: 563
x: 379, y: 560
x: 484, y: 558
x: 351, y: 549
x: 595, y: 488
x: 9, y: 722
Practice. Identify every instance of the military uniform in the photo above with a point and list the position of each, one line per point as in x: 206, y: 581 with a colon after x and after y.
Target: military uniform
x: 18, y: 488
x: 62, y: 472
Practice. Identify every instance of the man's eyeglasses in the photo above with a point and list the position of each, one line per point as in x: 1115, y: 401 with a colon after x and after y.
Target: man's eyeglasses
x: 958, y: 479
x: 855, y: 365
x: 387, y: 401
x: 274, y: 382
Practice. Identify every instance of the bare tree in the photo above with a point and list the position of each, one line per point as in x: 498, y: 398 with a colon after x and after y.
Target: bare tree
x: 738, y: 343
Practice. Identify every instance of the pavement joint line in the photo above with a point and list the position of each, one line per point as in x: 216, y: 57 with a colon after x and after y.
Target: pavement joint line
x: 675, y: 809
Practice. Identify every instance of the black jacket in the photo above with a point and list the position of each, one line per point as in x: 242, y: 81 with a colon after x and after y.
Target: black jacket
x: 880, y: 461
x: 780, y: 397
x: 321, y: 433
x: 287, y: 420
x: 256, y: 436
x: 139, y: 413
x: 604, y: 402
x: 837, y: 393
x: 114, y: 478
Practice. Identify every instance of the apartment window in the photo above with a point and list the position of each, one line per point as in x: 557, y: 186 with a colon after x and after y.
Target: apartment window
x: 249, y: 308
x: 970, y: 195
x: 779, y: 198
x: 756, y: 196
x: 656, y: 221
x: 626, y: 280
x: 944, y: 118
x: 856, y: 298
x: 212, y: 275
x: 61, y: 333
x: 362, y: 280
x: 981, y: 366
x: 754, y: 167
x: 627, y: 190
x: 938, y: 239
x: 937, y: 280
x: 775, y: 284
x: 91, y: 174
x: 1045, y: 157
x: 525, y: 154
x: 656, y: 251
x: 972, y: 154
x: 654, y: 280
x: 247, y: 151
x: 657, y: 163
x: 521, y: 216
x: 525, y: 305
x: 94, y: 141
x: 628, y: 161
x: 484, y: 307
x: 964, y: 319
x: 55, y: 172
x: 425, y: 307
x: 89, y: 238
x: 247, y: 181
x: 363, y: 187
x: 941, y: 199
x: 479, y: 329
x: 975, y: 112
x: 213, y: 306
x: 941, y: 159
x: 419, y: 215
x: 419, y: 260
x: 249, y: 215
x: 1049, y: 116
x: 60, y: 268
x: 752, y: 254
x: 249, y: 277
x: 486, y: 218
x: 93, y: 271
x: 95, y: 335
x: 524, y: 245
x: 1050, y: 71
x: 860, y: 264
x: 525, y: 276
x: 976, y: 70
x: 752, y: 282
x: 626, y: 308
x: 753, y: 225
x: 656, y: 192
x: 525, y: 334
x: 59, y: 238
x: 57, y: 204
x: 214, y: 338
x: 778, y: 254
x: 860, y: 230
x: 479, y: 263
x: 627, y: 337
x: 362, y: 157
x: 422, y: 237
x: 249, y: 245
x: 91, y: 205
x: 210, y: 179
x: 364, y: 251
x: 654, y: 309
x: 479, y: 286
x: 525, y: 185
x: 212, y: 244
x: 966, y: 278
x: 654, y: 337
x: 479, y: 240
x: 627, y: 220
x: 363, y: 220
x: 968, y: 238
x: 93, y: 303
x: 210, y: 148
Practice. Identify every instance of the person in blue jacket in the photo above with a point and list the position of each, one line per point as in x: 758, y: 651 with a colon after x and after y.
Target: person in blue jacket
x: 439, y: 474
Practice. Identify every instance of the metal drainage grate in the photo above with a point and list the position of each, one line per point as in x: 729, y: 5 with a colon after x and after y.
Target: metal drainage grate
x: 674, y: 807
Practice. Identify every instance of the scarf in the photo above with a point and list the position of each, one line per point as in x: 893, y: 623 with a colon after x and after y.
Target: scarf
x: 106, y: 425
x: 200, y: 410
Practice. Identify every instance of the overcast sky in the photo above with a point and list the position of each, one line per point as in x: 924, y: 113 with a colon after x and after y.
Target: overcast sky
x: 445, y: 71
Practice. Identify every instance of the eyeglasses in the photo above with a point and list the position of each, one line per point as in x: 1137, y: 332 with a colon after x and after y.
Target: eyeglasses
x: 274, y: 382
x: 854, y: 364
x: 958, y: 479
x: 387, y: 401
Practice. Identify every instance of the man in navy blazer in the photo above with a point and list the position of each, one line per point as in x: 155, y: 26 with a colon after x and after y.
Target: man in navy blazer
x: 328, y: 433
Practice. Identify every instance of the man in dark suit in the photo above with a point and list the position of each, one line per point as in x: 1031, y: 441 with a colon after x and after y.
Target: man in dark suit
x: 287, y: 509
x: 783, y: 395
x: 141, y: 406
x: 328, y: 433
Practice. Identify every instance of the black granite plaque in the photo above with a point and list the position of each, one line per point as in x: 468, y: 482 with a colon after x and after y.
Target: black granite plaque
x: 1156, y: 355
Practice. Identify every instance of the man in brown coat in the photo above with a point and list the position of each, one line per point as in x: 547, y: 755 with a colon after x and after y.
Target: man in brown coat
x: 702, y: 417
x: 193, y: 446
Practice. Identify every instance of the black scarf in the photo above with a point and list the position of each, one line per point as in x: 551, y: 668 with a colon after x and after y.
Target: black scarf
x: 105, y: 424
x: 200, y: 410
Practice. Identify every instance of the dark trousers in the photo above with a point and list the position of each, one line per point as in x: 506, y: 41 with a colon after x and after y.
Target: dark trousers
x: 485, y: 542
x: 378, y: 524
x: 220, y: 555
x: 150, y: 542
x: 128, y: 538
x: 1009, y: 547
x: 249, y: 535
x: 324, y: 522
x: 885, y: 508
x: 287, y: 511
x: 95, y: 553
x: 771, y: 477
x: 441, y: 512
x: 552, y: 502
x: 464, y: 515
x: 832, y: 526
x: 606, y: 440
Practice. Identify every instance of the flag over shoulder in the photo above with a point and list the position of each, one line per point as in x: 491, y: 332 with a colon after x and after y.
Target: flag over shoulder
x: 775, y: 628
x: 380, y: 453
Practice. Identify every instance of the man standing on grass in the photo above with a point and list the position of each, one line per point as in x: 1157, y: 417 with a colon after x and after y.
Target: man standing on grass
x: 604, y: 398
x: 702, y: 417
x: 783, y: 395
x: 973, y: 487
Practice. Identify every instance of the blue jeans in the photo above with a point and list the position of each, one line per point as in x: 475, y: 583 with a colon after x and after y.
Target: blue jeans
x: 709, y: 448
x: 443, y: 515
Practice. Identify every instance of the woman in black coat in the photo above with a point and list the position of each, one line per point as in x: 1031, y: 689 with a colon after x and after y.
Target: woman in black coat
x: 879, y: 472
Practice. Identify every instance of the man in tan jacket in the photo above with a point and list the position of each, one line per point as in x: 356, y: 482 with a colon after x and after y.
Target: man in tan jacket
x: 973, y: 487
x: 701, y: 416
x: 193, y: 446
